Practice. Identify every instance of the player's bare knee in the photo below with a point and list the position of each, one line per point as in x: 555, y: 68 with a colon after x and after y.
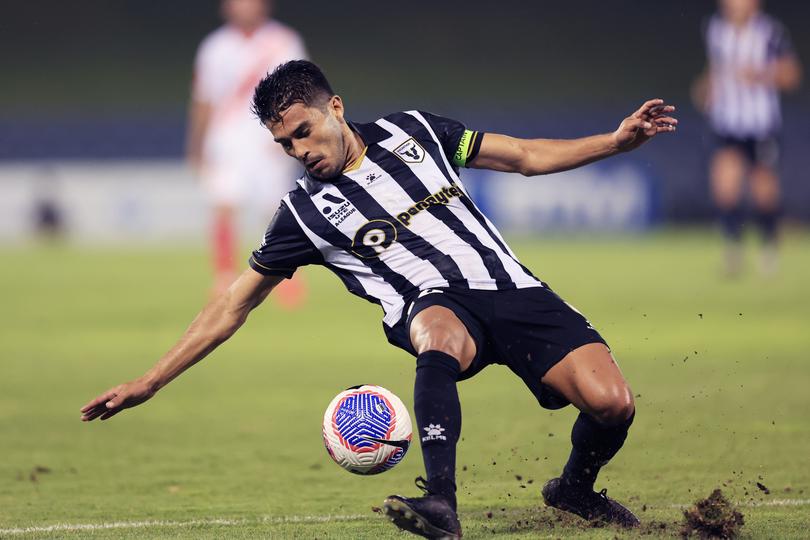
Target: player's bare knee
x: 614, y: 409
x: 450, y: 339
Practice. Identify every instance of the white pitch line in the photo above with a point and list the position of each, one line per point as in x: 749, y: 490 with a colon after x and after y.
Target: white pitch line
x: 779, y: 502
x: 179, y: 524
x: 276, y: 520
x: 756, y: 504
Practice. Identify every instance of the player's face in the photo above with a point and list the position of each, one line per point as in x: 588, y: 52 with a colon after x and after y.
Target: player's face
x: 739, y: 11
x: 245, y: 13
x: 314, y: 135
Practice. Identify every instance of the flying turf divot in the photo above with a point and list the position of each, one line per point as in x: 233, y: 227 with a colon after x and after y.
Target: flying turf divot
x: 712, y: 517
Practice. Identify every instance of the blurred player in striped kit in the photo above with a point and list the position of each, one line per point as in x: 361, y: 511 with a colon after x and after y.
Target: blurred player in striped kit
x: 227, y: 149
x: 750, y: 61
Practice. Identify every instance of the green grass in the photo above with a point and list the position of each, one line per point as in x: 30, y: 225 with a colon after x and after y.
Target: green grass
x: 720, y: 369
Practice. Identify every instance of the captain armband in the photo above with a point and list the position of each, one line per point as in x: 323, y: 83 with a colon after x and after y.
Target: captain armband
x: 468, y: 147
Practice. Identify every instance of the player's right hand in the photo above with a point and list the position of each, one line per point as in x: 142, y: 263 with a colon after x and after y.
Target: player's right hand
x: 116, y: 399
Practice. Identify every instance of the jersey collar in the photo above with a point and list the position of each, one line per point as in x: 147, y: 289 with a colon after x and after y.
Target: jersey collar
x: 370, y: 133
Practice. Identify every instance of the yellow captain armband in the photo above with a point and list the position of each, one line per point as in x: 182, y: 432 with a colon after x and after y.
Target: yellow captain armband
x: 468, y: 147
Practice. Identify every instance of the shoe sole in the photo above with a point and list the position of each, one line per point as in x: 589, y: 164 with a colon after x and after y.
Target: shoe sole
x: 404, y: 517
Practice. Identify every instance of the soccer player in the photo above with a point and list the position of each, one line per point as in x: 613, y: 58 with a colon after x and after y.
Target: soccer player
x: 750, y: 61
x: 383, y: 207
x: 230, y: 152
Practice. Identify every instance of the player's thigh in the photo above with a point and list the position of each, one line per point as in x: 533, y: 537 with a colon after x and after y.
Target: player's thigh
x: 437, y: 328
x: 727, y: 172
x: 591, y: 380
x: 765, y: 187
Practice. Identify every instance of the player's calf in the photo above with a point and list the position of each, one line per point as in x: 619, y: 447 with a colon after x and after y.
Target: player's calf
x: 438, y: 419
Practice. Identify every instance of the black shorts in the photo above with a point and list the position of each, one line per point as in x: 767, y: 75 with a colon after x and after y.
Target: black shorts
x: 762, y: 151
x: 529, y: 330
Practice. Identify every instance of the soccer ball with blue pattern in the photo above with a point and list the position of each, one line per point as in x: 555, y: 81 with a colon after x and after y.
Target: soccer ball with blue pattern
x: 366, y: 429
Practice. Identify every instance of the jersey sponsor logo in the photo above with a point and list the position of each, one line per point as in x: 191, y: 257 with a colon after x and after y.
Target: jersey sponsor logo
x: 373, y: 238
x: 440, y: 197
x: 338, y: 214
x: 370, y: 178
x: 410, y: 151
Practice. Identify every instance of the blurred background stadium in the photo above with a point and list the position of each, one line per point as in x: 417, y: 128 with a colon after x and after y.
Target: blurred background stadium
x: 92, y: 125
x: 93, y: 111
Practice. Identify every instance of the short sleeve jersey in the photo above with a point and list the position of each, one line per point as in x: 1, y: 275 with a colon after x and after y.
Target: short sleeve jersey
x: 739, y: 107
x: 397, y: 223
x: 227, y: 68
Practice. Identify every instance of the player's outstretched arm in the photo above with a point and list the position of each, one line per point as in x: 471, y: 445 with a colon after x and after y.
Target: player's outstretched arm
x: 214, y: 325
x: 531, y: 157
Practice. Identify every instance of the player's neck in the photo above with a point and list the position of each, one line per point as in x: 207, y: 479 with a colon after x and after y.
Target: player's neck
x: 247, y: 30
x: 742, y: 22
x: 355, y: 149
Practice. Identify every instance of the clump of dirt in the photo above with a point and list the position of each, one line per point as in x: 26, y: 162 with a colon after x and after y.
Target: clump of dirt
x: 712, y: 517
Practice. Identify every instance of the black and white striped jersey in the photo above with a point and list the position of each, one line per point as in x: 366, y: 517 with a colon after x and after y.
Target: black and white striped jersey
x: 738, y: 107
x: 398, y: 223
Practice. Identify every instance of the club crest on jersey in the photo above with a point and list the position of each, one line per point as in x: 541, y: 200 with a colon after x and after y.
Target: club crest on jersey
x: 410, y: 151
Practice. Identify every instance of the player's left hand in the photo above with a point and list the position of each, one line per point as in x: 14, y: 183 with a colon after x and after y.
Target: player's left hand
x: 118, y: 398
x: 648, y: 121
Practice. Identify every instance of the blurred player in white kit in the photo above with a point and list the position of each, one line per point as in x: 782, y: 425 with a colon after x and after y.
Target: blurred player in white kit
x: 227, y: 147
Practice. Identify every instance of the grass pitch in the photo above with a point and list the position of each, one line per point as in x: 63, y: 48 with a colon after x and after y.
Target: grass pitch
x: 233, y: 449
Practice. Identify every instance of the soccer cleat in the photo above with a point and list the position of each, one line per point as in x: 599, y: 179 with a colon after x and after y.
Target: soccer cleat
x: 430, y: 516
x: 587, y: 504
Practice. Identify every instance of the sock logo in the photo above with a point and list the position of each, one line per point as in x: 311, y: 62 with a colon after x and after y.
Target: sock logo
x: 434, y: 433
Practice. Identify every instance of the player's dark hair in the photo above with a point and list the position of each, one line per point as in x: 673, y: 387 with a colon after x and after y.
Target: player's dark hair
x: 297, y: 81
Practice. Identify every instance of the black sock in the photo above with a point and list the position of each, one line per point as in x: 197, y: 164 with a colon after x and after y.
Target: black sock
x: 731, y: 220
x: 438, y: 419
x: 593, y: 446
x: 768, y: 223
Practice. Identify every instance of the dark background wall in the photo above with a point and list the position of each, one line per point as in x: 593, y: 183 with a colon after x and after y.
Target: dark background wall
x: 109, y: 79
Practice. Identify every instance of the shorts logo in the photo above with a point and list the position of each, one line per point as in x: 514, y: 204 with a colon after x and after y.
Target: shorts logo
x: 410, y: 151
x: 429, y: 291
x: 434, y: 433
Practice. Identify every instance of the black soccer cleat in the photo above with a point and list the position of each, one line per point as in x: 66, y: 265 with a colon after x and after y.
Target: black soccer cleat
x: 430, y: 516
x: 587, y: 504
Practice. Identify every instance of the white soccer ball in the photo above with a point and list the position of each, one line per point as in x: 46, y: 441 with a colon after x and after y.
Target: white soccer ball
x: 366, y: 429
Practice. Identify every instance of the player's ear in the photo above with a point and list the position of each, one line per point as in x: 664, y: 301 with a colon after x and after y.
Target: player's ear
x: 336, y: 105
